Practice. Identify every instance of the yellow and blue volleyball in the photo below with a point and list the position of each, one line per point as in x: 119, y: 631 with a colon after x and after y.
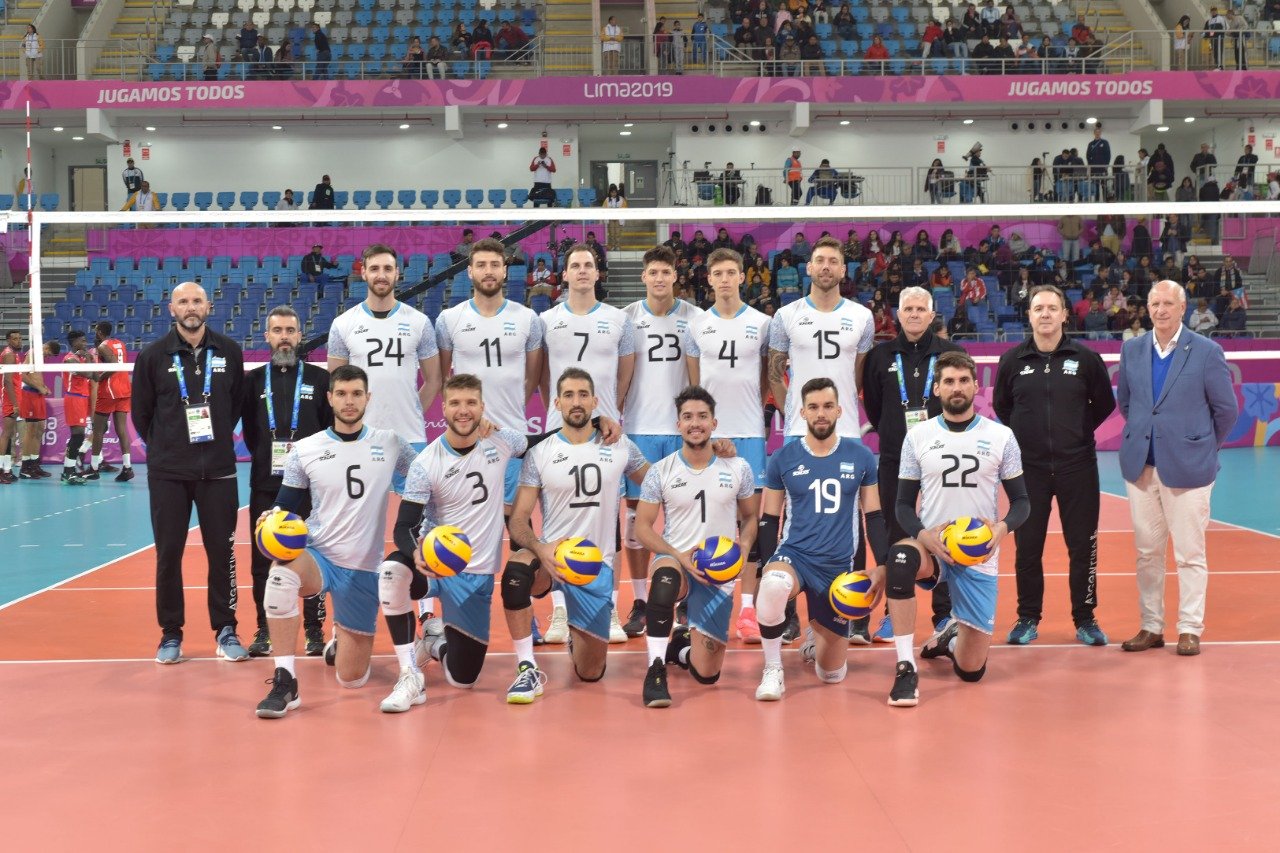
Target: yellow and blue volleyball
x: 579, y: 560
x: 718, y: 559
x: 968, y: 541
x: 851, y: 596
x: 281, y: 536
x: 446, y: 550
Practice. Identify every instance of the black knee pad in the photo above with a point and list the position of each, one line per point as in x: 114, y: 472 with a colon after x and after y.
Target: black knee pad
x: 419, y: 584
x: 902, y: 564
x: 74, y: 442
x: 699, y: 677
x: 970, y: 677
x: 582, y: 677
x: 517, y: 586
x: 464, y: 656
x: 664, y: 587
x: 753, y: 556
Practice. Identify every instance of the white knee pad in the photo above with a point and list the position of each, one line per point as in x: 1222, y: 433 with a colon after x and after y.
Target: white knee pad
x: 359, y: 682
x: 280, y: 599
x: 393, y: 588
x: 629, y: 539
x: 771, y: 597
x: 834, y: 677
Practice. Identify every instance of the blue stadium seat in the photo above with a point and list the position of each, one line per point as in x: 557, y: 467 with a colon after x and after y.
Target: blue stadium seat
x: 162, y: 199
x: 149, y: 266
x: 540, y: 303
x: 564, y: 198
x: 6, y: 201
x: 378, y: 50
x: 356, y: 52
x: 452, y: 198
x: 180, y: 201
x: 898, y: 13
x: 497, y: 198
x: 340, y: 199
x: 475, y: 198
x: 364, y: 18
x: 157, y: 71
x: 587, y: 196
x: 383, y: 19
x: 430, y: 198
x: 361, y: 199
x: 249, y: 199
x: 406, y: 198
x: 48, y: 201
x: 226, y: 199
x: 383, y: 199
x: 270, y: 199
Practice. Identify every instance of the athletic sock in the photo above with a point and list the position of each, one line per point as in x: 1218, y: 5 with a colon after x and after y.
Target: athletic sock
x: 404, y: 655
x: 614, y: 598
x: 6, y: 462
x: 97, y: 460
x: 285, y: 662
x: 657, y: 647
x: 683, y: 655
x: 639, y: 588
x: 749, y: 599
x: 557, y: 598
x: 524, y: 650
x: 951, y: 644
x: 905, y: 648
x: 68, y: 464
x: 124, y: 460
x: 772, y: 650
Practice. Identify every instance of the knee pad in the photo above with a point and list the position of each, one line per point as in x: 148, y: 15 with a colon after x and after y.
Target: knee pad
x: 463, y: 658
x: 393, y: 588
x: 771, y: 600
x: 74, y: 442
x: 517, y: 586
x: 280, y: 598
x: 664, y: 587
x: 699, y: 677
x: 629, y: 532
x: 965, y: 675
x: 753, y: 556
x: 358, y: 683
x: 901, y: 565
x: 831, y: 676
x: 582, y: 677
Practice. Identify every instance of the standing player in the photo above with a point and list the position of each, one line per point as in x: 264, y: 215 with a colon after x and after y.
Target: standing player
x: 33, y: 410
x: 10, y: 355
x: 957, y: 460
x: 726, y: 349
x: 79, y: 390
x: 115, y: 393
x: 575, y: 481
x: 701, y: 495
x: 347, y: 470
x: 585, y: 333
x: 823, y: 482
x: 661, y: 323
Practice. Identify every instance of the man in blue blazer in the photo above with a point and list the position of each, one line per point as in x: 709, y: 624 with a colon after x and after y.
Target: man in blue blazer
x: 1179, y: 405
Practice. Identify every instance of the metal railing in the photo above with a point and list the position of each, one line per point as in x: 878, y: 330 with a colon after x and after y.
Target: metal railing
x: 341, y: 69
x: 764, y: 187
x: 639, y: 55
x: 123, y: 56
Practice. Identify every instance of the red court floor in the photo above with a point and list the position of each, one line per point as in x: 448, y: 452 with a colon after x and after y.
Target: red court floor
x: 1061, y: 747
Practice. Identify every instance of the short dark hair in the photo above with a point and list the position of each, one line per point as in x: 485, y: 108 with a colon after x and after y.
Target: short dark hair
x: 74, y: 335
x: 829, y: 242
x: 1049, y: 288
x: 575, y: 373
x: 957, y: 361
x: 379, y: 249
x: 104, y: 327
x: 462, y: 382
x: 349, y: 373
x: 581, y: 247
x: 53, y: 346
x: 284, y: 311
x: 659, y: 255
x: 696, y: 393
x: 719, y: 256
x: 820, y: 383
x: 488, y: 244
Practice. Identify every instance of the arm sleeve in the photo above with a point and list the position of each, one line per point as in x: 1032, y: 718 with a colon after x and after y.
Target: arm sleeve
x: 778, y: 338
x: 905, y: 508
x: 635, y: 459
x: 1019, y: 503
x: 529, y: 474
x: 877, y: 536
x: 690, y: 342
x: 417, y: 484
x: 405, y: 456
x: 868, y: 338
x: 408, y: 520
x: 871, y: 399
x: 289, y: 498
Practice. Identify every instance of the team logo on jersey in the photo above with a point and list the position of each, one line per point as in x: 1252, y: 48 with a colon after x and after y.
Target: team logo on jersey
x: 642, y: 324
x: 560, y: 324
x: 800, y: 472
x: 806, y: 320
x: 308, y: 392
x: 469, y: 327
x: 603, y: 327
x: 846, y: 325
x: 327, y: 455
x: 1070, y: 367
x: 848, y: 467
x: 377, y: 453
x: 491, y: 454
x: 218, y: 364
x: 937, y: 445
x: 726, y: 480
x: 984, y: 447
x: 679, y: 483
x: 682, y: 326
x: 558, y: 458
x: 451, y: 472
x: 360, y: 330
x: 753, y: 333
x: 403, y: 330
x: 509, y: 330
x: 708, y: 330
x: 606, y: 454
x: 1027, y: 371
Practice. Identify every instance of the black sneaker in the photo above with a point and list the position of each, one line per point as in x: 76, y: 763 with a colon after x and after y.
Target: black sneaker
x: 634, y: 626
x: 261, y: 645
x: 283, y: 697
x: 331, y: 652
x: 71, y: 478
x: 39, y: 472
x: 656, y: 694
x: 792, y: 630
x: 905, y: 692
x: 682, y: 613
x: 6, y: 478
x: 107, y: 468
x: 680, y: 639
x: 315, y: 641
x: 25, y: 472
x: 937, y: 646
x: 89, y: 473
x: 860, y: 631
x: 125, y: 475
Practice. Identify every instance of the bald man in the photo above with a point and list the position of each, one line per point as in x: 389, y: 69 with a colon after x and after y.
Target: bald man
x: 187, y: 390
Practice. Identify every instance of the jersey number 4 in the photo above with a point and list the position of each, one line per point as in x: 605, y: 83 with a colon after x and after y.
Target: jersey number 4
x: 394, y: 350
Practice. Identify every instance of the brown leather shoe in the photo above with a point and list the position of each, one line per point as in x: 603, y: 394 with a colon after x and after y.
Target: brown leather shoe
x: 1144, y: 640
x: 1188, y: 645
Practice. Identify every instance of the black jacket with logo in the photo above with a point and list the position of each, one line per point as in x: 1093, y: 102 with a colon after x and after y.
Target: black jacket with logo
x: 314, y: 414
x: 881, y: 395
x: 1054, y: 402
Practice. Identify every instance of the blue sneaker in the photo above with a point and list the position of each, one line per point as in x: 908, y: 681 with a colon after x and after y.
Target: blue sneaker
x: 537, y: 633
x: 1023, y: 632
x: 229, y: 647
x: 884, y: 634
x: 1090, y: 634
x: 170, y: 651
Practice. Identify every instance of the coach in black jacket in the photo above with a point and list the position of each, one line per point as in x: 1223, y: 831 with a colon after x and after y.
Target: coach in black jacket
x: 299, y: 408
x: 1054, y: 392
x: 191, y: 459
x: 917, y: 347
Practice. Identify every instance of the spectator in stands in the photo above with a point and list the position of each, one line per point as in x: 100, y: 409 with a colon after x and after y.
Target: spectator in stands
x: 287, y: 200
x: 260, y: 59
x: 247, y: 40
x: 314, y: 265
x: 323, y: 52
x: 679, y: 46
x: 1010, y: 26
x: 731, y: 181
x: 1072, y: 57
x: 1004, y: 53
x: 744, y: 37
x: 818, y: 9
x: 1271, y: 11
x: 437, y: 56
x: 789, y: 57
x: 481, y: 40
x: 983, y: 53
x: 1095, y: 322
x: 413, y: 65
x: 1203, y: 321
x: 1186, y: 190
x: 989, y: 16
x: 1202, y: 165
x: 822, y: 183
x: 698, y: 34
x: 941, y: 278
x: 209, y: 58
x: 1135, y: 328
x: 1209, y: 221
x: 132, y: 177
x: 463, y: 249
x: 723, y: 240
x: 1228, y: 276
x: 971, y: 23
x: 1110, y: 231
x: 931, y: 42
x: 923, y: 248
x: 143, y: 200
x: 542, y: 167
x: 973, y: 290
x: 610, y: 45
x: 956, y: 41
x: 1080, y: 30
x: 662, y: 45
x: 460, y: 41
x: 515, y: 256
x: 284, y: 62
x: 844, y: 23
x: 322, y: 197
x: 541, y: 277
x: 1182, y: 36
x: 1232, y: 323
x: 676, y: 243
x: 917, y: 276
x: 511, y: 40
x: 1097, y: 154
x: 1246, y: 170
x: 813, y: 55
x: 934, y: 179
x: 1273, y: 186
x: 1215, y: 26
x: 613, y: 229
x: 876, y: 53
x: 800, y: 248
x: 949, y: 248
x: 33, y: 51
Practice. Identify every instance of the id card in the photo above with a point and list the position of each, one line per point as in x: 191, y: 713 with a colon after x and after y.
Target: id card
x: 199, y: 424
x: 916, y: 416
x: 279, y: 450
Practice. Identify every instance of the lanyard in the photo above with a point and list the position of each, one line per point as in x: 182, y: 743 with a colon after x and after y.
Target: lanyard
x: 182, y: 379
x: 902, y: 381
x: 271, y: 406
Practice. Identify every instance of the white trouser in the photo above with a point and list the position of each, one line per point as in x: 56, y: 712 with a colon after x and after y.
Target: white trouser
x: 1158, y: 512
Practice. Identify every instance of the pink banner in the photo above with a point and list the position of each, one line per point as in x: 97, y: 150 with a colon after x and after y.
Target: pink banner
x: 643, y: 91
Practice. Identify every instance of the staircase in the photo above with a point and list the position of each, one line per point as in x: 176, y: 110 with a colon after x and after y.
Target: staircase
x: 569, y: 37
x: 1109, y: 23
x: 137, y: 27
x: 21, y: 13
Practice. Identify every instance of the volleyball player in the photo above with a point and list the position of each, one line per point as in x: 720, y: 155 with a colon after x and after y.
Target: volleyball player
x: 585, y: 333
x: 957, y: 461
x: 575, y: 481
x: 701, y: 495
x: 823, y: 481
x: 348, y: 471
x: 660, y: 323
x: 80, y: 391
x: 115, y: 395
x: 727, y: 348
x: 11, y: 354
x: 33, y: 410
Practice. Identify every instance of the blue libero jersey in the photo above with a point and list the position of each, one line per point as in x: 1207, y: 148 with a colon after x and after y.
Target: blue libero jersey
x: 820, y: 517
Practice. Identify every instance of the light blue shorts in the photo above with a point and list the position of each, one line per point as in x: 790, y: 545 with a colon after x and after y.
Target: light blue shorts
x: 590, y: 606
x: 709, y: 607
x: 816, y: 578
x: 466, y: 601
x: 654, y: 448
x: 753, y: 450
x: 355, y: 594
x: 973, y: 596
x: 397, y: 479
x: 512, y: 482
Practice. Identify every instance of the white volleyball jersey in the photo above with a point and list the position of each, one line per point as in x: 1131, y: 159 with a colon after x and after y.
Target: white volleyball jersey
x: 823, y: 343
x: 661, y: 370
x: 960, y: 472
x: 389, y: 349
x: 697, y: 504
x: 465, y: 490
x: 731, y: 353
x: 493, y: 348
x: 580, y: 484
x: 593, y: 341
x: 349, y: 481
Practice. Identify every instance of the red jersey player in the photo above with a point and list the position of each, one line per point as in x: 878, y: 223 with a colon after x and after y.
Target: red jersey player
x: 115, y: 391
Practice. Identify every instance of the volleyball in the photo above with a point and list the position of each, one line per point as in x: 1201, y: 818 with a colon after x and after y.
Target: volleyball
x: 579, y: 561
x: 967, y: 540
x: 850, y: 595
x: 718, y: 559
x: 281, y: 536
x: 446, y: 550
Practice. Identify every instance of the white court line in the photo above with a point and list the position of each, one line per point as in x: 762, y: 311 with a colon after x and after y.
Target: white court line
x: 61, y: 512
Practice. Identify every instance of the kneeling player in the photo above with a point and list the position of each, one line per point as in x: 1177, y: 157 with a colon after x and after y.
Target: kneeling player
x: 575, y: 479
x: 348, y: 470
x: 823, y: 480
x: 701, y: 495
x: 957, y: 460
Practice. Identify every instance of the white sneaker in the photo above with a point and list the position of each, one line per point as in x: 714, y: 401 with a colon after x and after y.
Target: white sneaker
x: 558, y: 631
x: 616, y: 634
x: 422, y: 651
x: 809, y: 649
x: 433, y: 626
x: 409, y: 691
x: 771, y: 687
